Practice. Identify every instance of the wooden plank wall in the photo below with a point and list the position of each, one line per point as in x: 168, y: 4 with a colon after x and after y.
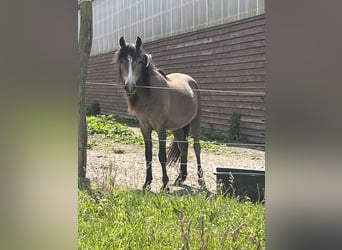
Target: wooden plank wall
x: 227, y: 60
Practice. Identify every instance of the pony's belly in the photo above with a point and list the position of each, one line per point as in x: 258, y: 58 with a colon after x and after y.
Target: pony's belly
x: 177, y: 126
x: 182, y: 110
x: 182, y: 117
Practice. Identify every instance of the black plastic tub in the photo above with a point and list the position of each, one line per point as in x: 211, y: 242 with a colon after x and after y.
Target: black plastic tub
x: 244, y: 183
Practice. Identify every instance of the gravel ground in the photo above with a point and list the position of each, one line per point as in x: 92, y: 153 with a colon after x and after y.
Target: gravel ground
x: 126, y: 164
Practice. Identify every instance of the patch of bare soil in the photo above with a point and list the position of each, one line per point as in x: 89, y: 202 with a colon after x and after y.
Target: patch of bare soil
x: 126, y: 164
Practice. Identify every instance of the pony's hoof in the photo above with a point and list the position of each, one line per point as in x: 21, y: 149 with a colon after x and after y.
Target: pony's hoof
x: 179, y: 181
x: 147, y: 187
x: 201, y: 184
x: 165, y: 188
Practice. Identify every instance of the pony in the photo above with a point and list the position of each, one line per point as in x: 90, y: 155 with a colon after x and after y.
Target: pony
x: 161, y: 102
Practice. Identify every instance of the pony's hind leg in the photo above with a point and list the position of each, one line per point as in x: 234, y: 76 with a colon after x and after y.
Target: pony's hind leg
x: 195, y: 126
x: 148, y: 156
x: 182, y: 143
x: 197, y: 148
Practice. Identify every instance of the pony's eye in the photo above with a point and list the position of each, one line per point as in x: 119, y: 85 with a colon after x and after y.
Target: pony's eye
x: 120, y: 61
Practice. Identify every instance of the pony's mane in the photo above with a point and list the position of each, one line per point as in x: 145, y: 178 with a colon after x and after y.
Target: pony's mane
x: 162, y: 73
x: 146, y: 72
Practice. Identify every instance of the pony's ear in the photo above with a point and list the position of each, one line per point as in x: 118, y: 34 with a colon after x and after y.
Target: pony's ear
x: 147, y: 59
x: 138, y: 43
x: 122, y: 42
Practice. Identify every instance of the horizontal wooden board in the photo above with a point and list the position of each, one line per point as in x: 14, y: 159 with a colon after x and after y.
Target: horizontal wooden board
x: 230, y: 111
x: 220, y: 41
x: 199, y: 34
x: 225, y: 66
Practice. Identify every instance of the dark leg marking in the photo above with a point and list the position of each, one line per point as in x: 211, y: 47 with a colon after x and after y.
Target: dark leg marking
x: 162, y: 158
x: 195, y: 125
x: 148, y: 157
x: 183, y: 148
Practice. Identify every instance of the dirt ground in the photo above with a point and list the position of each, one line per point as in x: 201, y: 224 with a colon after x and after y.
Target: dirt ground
x: 126, y: 164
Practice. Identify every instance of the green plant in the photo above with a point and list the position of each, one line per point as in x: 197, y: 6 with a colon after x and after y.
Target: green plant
x: 91, y: 144
x: 103, y: 166
x: 119, y: 151
x: 255, y: 158
x: 108, y: 126
x: 213, y: 135
x: 94, y: 108
x: 234, y: 127
x: 131, y: 122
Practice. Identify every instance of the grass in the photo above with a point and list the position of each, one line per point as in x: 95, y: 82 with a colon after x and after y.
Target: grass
x: 123, y: 219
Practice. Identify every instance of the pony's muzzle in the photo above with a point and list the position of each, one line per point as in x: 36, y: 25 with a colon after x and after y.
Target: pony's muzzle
x: 130, y: 88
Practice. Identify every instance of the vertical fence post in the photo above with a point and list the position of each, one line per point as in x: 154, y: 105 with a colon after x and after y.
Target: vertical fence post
x: 84, y: 47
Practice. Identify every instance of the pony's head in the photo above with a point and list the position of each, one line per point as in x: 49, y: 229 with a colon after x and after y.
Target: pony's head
x: 133, y: 64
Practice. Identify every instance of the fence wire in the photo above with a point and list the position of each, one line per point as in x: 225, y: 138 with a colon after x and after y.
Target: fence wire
x: 200, y: 90
x: 236, y: 144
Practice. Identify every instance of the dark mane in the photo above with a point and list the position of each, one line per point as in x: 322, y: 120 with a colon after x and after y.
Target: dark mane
x: 146, y: 75
x: 147, y: 71
x: 162, y: 73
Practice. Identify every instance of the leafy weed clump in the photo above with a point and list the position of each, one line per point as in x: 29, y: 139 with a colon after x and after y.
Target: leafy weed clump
x: 117, y: 128
x: 108, y: 126
x: 94, y: 109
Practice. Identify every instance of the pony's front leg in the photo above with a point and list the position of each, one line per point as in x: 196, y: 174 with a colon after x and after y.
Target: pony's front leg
x: 162, y: 158
x: 148, y: 157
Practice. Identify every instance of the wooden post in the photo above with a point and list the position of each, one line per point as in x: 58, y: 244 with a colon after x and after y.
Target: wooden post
x: 84, y: 47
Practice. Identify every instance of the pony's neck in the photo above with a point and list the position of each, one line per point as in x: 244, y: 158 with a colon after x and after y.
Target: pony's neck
x: 157, y: 77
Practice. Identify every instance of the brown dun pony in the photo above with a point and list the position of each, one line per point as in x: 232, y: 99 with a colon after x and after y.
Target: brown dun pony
x: 161, y: 102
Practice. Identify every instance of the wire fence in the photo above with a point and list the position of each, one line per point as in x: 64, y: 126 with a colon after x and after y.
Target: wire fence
x: 200, y: 90
x: 232, y: 144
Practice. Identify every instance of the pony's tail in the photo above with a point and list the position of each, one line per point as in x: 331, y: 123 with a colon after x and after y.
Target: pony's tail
x: 173, y: 152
